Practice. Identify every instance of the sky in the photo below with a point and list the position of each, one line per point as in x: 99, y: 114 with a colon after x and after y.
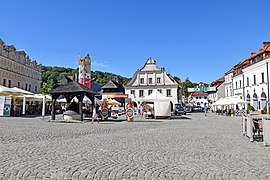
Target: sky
x: 195, y: 39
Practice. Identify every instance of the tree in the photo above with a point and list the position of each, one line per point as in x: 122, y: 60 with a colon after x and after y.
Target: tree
x: 46, y: 87
x: 185, y: 85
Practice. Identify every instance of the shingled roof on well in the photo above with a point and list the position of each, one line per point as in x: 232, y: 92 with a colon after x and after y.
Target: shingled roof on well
x: 68, y: 85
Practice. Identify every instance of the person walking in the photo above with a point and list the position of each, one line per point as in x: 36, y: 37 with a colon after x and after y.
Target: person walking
x: 205, y: 110
x: 94, y: 114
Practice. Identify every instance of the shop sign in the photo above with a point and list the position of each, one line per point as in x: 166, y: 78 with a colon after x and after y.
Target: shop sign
x: 117, y: 96
x: 104, y: 112
x: 5, y: 106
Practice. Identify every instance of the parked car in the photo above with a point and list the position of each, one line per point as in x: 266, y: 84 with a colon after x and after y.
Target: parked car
x: 188, y: 109
x: 179, y: 110
x: 197, y: 109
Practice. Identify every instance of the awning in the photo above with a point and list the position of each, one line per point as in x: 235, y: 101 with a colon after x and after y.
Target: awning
x: 22, y: 91
x: 229, y: 101
x: 6, y: 91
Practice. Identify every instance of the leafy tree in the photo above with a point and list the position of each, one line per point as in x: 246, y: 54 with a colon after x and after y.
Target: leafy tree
x: 46, y: 87
x: 185, y: 85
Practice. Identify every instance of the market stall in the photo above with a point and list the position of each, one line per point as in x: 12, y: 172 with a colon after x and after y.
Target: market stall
x: 161, y: 105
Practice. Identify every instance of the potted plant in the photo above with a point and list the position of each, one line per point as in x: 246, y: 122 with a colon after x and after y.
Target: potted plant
x: 250, y: 109
x: 232, y: 112
x: 264, y: 111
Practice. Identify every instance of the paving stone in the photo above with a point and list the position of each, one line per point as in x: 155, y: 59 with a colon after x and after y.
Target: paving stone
x: 186, y: 147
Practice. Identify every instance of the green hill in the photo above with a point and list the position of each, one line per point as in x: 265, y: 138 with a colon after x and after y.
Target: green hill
x: 51, y: 75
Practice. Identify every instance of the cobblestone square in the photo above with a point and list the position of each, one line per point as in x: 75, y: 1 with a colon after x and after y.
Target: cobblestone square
x: 189, y: 147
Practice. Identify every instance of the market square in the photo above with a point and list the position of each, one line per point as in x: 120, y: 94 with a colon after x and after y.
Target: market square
x: 186, y: 147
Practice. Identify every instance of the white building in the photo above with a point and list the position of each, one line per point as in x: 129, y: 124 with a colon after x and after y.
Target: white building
x: 250, y: 80
x: 150, y: 77
x: 200, y: 99
x: 239, y: 79
x: 228, y: 83
x: 256, y: 88
x: 17, y: 70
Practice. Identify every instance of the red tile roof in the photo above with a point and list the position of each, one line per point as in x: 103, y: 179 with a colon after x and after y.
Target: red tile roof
x: 218, y: 82
x: 245, y: 63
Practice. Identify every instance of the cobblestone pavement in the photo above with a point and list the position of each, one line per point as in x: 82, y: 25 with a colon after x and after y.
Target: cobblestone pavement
x: 190, y: 147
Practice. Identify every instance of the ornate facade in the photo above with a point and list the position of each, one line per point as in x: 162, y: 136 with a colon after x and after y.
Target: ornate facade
x: 17, y: 70
x: 150, y: 77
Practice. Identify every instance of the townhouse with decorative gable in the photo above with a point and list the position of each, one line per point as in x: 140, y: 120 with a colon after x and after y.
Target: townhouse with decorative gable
x: 150, y: 77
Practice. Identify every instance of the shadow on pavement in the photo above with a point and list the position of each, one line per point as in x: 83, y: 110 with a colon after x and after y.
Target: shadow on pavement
x: 147, y: 121
x: 180, y: 117
x: 106, y: 121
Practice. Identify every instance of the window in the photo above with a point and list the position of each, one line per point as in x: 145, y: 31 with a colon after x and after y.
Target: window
x: 159, y: 90
x: 132, y: 92
x: 240, y: 83
x: 150, y: 81
x: 18, y: 84
x: 168, y: 92
x: 262, y: 77
x: 26, y: 87
x: 254, y: 79
x: 35, y: 89
x: 247, y: 81
x: 142, y: 80
x: 141, y: 93
x: 4, y: 82
x: 150, y: 91
x: 29, y: 87
x: 235, y: 85
x: 158, y: 80
x: 9, y: 83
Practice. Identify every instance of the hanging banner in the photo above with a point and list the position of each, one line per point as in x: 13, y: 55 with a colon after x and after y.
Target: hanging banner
x: 207, y: 89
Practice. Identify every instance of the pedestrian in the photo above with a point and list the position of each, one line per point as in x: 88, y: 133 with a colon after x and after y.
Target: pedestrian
x: 205, y: 110
x: 94, y: 114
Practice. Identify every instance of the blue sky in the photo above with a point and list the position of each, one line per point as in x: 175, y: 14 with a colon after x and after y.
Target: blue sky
x: 193, y: 38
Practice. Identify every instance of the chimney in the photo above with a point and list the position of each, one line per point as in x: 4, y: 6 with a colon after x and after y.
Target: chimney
x: 265, y: 44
